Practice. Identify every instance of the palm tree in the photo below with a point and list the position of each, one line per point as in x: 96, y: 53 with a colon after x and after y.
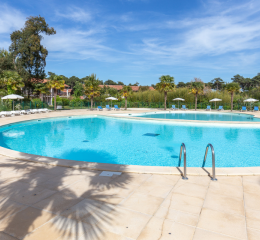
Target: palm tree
x: 91, y: 88
x: 232, y: 88
x: 41, y: 89
x: 56, y: 83
x: 12, y: 81
x: 165, y: 85
x: 196, y: 88
x: 126, y: 92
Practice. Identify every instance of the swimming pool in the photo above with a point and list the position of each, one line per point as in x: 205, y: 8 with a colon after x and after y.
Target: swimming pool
x: 201, y: 116
x: 133, y: 142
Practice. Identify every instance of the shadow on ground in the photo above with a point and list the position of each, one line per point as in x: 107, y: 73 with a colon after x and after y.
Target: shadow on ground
x: 63, y: 202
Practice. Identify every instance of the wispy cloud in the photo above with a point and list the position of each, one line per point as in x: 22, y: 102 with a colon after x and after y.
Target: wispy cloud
x: 233, y: 30
x: 10, y: 19
x: 76, y: 14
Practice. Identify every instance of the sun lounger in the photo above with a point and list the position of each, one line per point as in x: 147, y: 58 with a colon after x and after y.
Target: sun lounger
x: 2, y: 114
x: 99, y: 108
x: 44, y: 110
x: 243, y: 109
x: 220, y: 108
x: 116, y: 107
x: 183, y: 107
x: 256, y: 108
x: 47, y: 110
x: 208, y: 108
x: 34, y: 111
x: 108, y: 108
x: 173, y: 107
x: 59, y: 107
x: 8, y: 113
x: 25, y: 112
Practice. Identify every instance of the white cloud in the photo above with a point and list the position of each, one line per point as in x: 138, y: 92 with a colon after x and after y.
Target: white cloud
x: 230, y: 31
x: 10, y: 19
x: 76, y: 14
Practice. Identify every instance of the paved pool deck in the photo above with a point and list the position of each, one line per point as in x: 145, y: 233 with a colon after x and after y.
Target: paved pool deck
x: 42, y: 200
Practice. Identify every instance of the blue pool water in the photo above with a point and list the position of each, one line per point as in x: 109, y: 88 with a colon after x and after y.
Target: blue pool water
x: 206, y: 116
x: 134, y: 142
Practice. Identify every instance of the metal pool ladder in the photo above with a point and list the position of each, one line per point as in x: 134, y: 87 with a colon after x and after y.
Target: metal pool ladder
x: 184, y: 177
x: 213, y: 178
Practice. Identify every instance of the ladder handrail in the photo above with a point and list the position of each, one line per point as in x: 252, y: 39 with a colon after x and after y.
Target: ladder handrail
x: 213, y: 161
x: 185, y: 166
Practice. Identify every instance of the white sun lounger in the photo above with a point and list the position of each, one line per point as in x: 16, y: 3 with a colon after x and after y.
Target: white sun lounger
x: 2, y: 114
x: 26, y: 112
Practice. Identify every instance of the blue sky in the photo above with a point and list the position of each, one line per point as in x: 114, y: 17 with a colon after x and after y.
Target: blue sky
x: 140, y: 40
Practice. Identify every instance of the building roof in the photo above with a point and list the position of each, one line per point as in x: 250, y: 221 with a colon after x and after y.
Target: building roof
x: 119, y: 87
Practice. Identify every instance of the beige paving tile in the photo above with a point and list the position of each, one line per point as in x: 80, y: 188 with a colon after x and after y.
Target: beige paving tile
x: 143, y: 203
x: 253, y: 219
x: 201, y: 234
x: 252, y: 201
x: 190, y: 189
x: 226, y: 189
x: 60, y: 182
x: 52, y: 230
x: 4, y: 236
x: 163, y: 179
x: 252, y: 187
x: 113, y: 236
x: 177, y: 216
x: 253, y: 234
x: 154, y: 189
x: 224, y: 203
x: 25, y: 221
x: 200, y: 180
x: 31, y: 195
x: 230, y: 180
x: 254, y: 179
x: 9, y: 207
x: 223, y: 223
x: 58, y: 202
x: 126, y: 223
x: 90, y: 211
x: 183, y: 203
x: 158, y: 228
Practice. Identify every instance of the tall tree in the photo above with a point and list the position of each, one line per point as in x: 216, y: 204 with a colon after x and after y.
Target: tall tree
x: 29, y: 55
x: 78, y: 89
x: 217, y: 83
x: 232, y: 88
x: 110, y: 82
x: 181, y: 85
x: 91, y: 88
x: 126, y: 92
x: 196, y: 88
x: 165, y: 85
x: 240, y: 80
x: 56, y: 83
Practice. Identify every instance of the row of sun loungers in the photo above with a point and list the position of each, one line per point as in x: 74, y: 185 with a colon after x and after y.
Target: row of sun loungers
x: 23, y: 112
x: 256, y: 108
x: 99, y: 108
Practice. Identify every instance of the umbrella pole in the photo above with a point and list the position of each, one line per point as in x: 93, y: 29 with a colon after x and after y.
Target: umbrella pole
x: 13, y: 105
x: 215, y: 105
